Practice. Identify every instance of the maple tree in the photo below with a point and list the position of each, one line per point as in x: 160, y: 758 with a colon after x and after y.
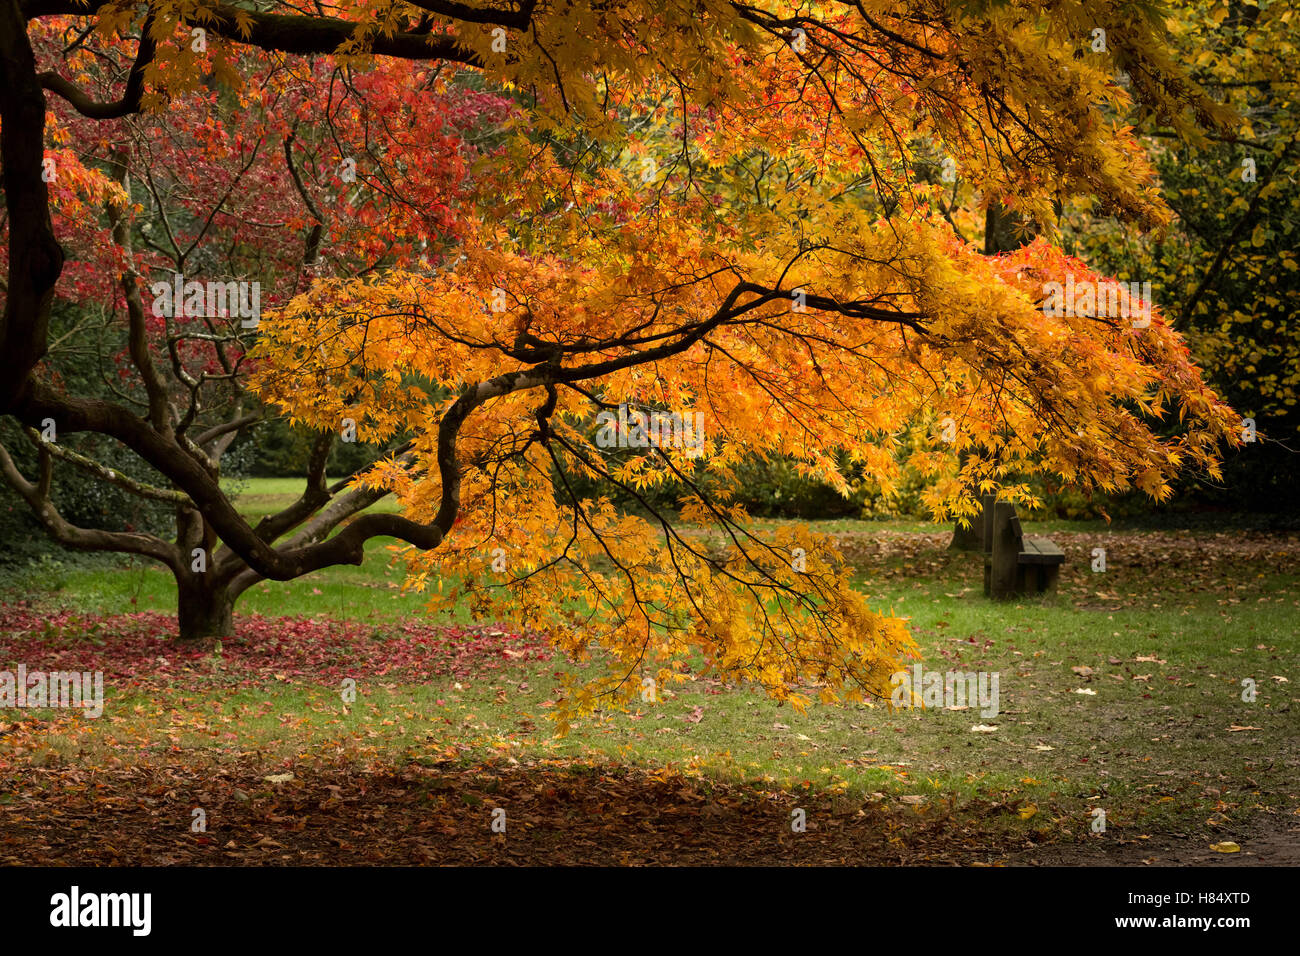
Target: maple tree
x: 222, y: 188
x: 706, y: 212
x: 1227, y: 268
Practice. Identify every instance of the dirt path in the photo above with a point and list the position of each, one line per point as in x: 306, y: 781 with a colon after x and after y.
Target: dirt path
x: 1268, y: 840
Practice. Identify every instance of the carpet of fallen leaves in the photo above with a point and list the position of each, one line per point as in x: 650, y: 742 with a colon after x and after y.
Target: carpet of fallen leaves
x: 441, y: 811
x: 1140, y: 565
x: 135, y: 650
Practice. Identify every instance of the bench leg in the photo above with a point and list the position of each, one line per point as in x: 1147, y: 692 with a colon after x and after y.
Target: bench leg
x: 1051, y: 573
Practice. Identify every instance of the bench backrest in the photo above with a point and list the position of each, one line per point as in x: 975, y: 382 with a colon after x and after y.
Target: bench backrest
x: 986, y: 524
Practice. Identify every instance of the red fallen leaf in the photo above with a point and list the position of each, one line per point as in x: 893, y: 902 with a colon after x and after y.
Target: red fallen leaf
x: 695, y: 716
x: 131, y: 648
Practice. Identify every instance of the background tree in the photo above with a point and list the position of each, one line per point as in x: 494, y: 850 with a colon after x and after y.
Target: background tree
x: 1225, y: 269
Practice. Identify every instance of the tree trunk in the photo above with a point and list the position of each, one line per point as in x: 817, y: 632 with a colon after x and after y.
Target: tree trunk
x: 967, y: 539
x: 1004, y: 231
x: 204, y: 612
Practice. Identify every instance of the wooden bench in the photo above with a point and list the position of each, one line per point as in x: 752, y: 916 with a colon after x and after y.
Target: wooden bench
x: 1013, y: 563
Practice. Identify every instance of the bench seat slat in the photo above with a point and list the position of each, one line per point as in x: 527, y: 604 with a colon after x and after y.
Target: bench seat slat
x: 1040, y: 551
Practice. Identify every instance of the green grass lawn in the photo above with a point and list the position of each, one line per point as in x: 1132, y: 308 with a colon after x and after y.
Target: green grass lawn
x: 258, y: 497
x: 1122, y: 691
x: 369, y: 591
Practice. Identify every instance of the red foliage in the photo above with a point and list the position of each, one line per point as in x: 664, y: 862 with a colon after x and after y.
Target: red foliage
x: 210, y: 176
